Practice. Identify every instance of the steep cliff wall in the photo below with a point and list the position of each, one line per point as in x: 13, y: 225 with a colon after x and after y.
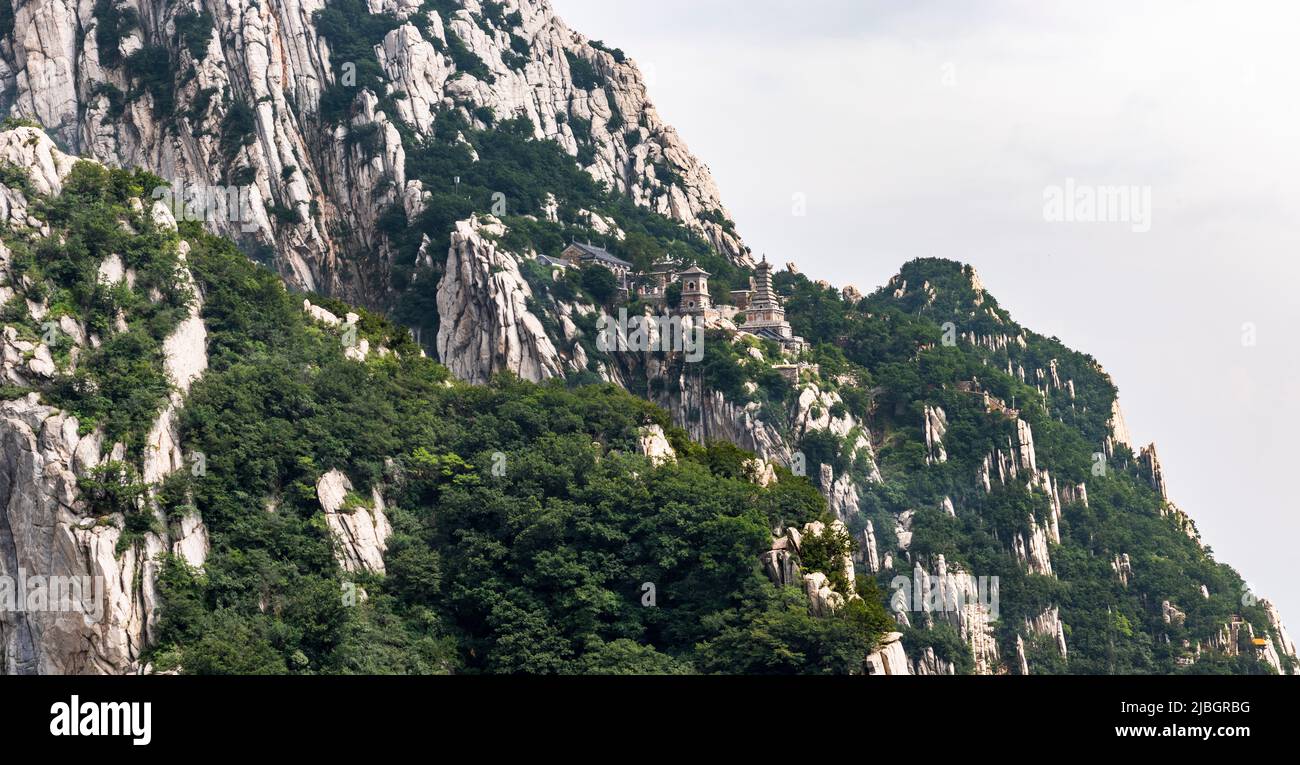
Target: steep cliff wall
x: 252, y: 95
x: 52, y: 539
x: 486, y: 323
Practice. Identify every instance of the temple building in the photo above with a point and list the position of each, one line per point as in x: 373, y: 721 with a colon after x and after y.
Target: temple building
x: 579, y: 254
x: 654, y: 287
x: 764, y: 314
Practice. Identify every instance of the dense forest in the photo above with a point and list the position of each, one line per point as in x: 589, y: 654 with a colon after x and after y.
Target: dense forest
x: 527, y: 531
x: 539, y: 566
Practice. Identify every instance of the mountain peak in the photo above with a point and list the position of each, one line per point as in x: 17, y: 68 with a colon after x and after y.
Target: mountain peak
x: 315, y: 114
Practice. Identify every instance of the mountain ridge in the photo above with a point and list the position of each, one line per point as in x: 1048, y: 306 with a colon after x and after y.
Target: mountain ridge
x: 859, y: 471
x: 264, y: 103
x: 938, y: 437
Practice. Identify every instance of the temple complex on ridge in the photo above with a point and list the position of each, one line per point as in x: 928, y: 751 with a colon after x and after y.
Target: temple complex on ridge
x: 756, y: 311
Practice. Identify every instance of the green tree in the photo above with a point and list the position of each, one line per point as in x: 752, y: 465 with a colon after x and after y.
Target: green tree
x: 599, y: 282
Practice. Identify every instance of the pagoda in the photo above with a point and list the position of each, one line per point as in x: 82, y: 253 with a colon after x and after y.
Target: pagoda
x: 764, y: 314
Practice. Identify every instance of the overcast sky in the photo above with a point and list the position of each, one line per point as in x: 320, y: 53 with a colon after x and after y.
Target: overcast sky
x: 933, y: 129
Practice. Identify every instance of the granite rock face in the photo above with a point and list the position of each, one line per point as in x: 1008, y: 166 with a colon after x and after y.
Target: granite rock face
x: 654, y: 446
x: 783, y: 566
x: 270, y: 59
x: 1048, y: 624
x: 1286, y: 646
x: 1031, y: 549
x: 955, y: 597
x: 360, y: 529
x: 869, y: 550
x: 936, y: 425
x: 781, y: 562
x: 890, y: 658
x: 47, y: 530
x: 1122, y: 565
x: 486, y: 325
x: 1281, y: 644
x: 929, y: 663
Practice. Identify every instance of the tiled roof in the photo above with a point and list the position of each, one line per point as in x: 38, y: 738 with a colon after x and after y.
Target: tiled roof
x: 601, y: 254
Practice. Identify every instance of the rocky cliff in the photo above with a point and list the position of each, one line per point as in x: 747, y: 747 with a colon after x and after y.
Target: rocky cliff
x: 310, y: 116
x: 98, y: 577
x: 486, y: 323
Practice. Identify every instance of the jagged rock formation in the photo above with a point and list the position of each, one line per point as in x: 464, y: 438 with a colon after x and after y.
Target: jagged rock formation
x: 708, y: 415
x: 1285, y: 645
x: 1119, y: 434
x: 1034, y: 554
x: 783, y: 566
x: 1022, y: 662
x: 486, y: 325
x: 1048, y: 624
x: 360, y: 529
x: 268, y: 65
x: 814, y: 411
x: 841, y: 494
x: 958, y: 598
x: 1149, y: 464
x: 869, y: 551
x: 43, y: 533
x: 951, y: 596
x: 1025, y: 443
x: 929, y: 663
x: 760, y: 471
x: 1020, y: 460
x: 46, y: 528
x: 1123, y: 568
x: 824, y: 599
x: 654, y: 446
x: 781, y: 563
x: 936, y: 424
x: 903, y: 531
x: 1154, y: 473
x: 44, y: 164
x: 891, y: 659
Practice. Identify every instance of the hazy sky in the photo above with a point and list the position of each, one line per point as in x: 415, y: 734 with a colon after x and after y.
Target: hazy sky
x: 933, y: 129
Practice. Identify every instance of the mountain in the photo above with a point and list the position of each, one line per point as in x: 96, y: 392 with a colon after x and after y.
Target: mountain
x: 247, y: 482
x: 222, y: 404
x: 328, y: 114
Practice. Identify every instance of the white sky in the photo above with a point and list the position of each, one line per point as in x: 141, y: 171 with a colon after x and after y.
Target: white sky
x: 924, y: 128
